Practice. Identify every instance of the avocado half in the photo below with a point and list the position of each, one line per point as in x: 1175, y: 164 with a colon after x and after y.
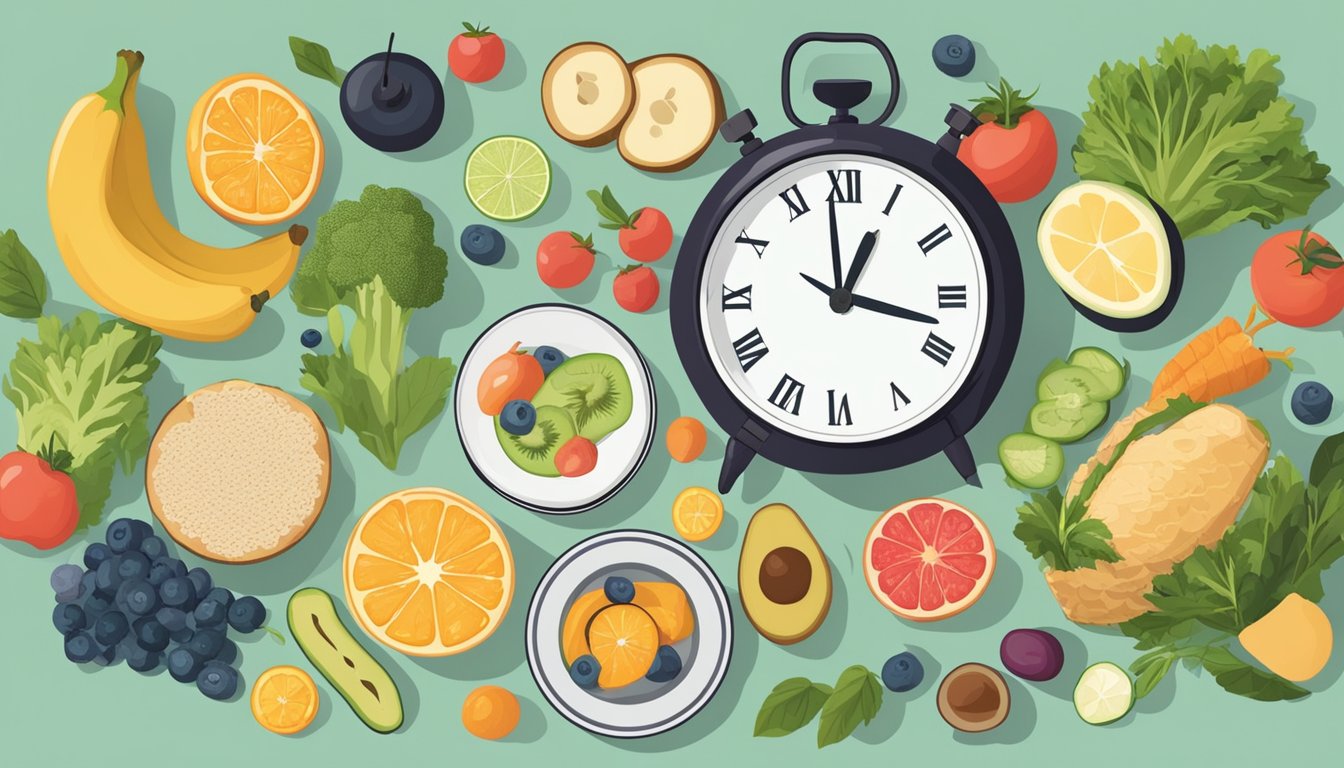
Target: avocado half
x: 782, y: 576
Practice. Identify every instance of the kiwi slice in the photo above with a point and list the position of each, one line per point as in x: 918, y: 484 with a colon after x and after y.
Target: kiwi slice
x: 534, y: 452
x: 594, y: 389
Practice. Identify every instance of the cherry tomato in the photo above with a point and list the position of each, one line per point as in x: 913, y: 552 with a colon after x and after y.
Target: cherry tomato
x: 636, y: 288
x: 649, y: 238
x: 1298, y: 279
x: 514, y: 375
x: 476, y: 55
x: 1013, y: 151
x: 577, y: 457
x: 37, y: 500
x: 565, y: 259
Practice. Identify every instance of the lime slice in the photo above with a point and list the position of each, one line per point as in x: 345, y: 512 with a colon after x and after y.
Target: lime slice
x: 508, y: 178
x: 1104, y: 694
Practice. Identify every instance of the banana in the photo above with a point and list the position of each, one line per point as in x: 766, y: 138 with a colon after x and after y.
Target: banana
x: 265, y: 265
x: 90, y: 232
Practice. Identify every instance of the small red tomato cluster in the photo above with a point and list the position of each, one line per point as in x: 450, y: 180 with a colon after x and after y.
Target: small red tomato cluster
x: 565, y: 259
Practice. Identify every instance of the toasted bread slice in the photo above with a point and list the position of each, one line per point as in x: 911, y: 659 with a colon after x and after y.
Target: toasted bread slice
x: 238, y: 472
x: 586, y: 93
x: 678, y: 107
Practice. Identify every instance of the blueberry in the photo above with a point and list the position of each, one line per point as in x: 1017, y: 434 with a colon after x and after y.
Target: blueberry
x: 159, y: 572
x: 125, y: 536
x: 132, y: 565
x: 153, y: 547
x: 80, y: 648
x: 142, y: 660
x: 95, y: 605
x: 482, y: 244
x: 138, y: 597
x: 68, y: 617
x: 200, y: 579
x: 619, y: 589
x: 86, y: 585
x: 518, y: 417
x: 902, y: 672
x: 206, y: 643
x: 66, y: 579
x: 110, y: 628
x: 220, y: 595
x: 150, y: 634
x: 95, y: 554
x: 182, y: 636
x: 184, y: 665
x: 107, y: 579
x: 178, y: 592
x: 106, y: 656
x: 549, y: 357
x: 1311, y: 402
x: 954, y: 55
x: 666, y: 665
x: 228, y: 652
x: 247, y: 614
x: 210, y: 613
x: 172, y: 619
x: 584, y: 671
x: 217, y: 680
x: 310, y: 338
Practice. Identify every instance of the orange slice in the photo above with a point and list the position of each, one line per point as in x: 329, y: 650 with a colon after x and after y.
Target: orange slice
x: 928, y: 559
x: 697, y: 513
x: 253, y: 150
x: 624, y: 640
x: 428, y: 572
x: 284, y: 700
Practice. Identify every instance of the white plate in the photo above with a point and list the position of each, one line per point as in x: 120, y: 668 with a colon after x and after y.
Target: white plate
x: 644, y: 708
x: 574, y: 331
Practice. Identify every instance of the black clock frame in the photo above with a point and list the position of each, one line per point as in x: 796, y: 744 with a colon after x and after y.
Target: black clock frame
x: 944, y: 430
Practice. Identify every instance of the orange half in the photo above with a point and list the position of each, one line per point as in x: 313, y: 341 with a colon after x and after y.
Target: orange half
x: 428, y: 573
x: 253, y: 150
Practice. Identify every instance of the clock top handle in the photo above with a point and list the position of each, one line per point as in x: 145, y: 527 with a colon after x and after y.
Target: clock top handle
x: 842, y: 110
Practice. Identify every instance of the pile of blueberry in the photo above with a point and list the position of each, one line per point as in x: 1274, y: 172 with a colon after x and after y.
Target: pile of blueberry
x: 133, y: 601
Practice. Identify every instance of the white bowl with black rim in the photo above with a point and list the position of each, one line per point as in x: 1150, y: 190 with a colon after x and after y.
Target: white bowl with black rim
x: 644, y: 708
x: 574, y: 331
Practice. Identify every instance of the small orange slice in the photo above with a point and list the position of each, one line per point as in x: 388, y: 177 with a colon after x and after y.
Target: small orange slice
x: 284, y: 700
x: 253, y: 150
x: 428, y: 572
x: 697, y: 513
x: 624, y: 640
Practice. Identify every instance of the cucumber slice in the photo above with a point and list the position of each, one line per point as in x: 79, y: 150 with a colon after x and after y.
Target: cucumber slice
x: 1109, y: 371
x: 1050, y: 367
x: 1104, y: 694
x: 1066, y: 419
x: 1070, y: 380
x: 1031, y: 460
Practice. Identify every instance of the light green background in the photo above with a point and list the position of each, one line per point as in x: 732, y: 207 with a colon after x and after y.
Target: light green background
x: 54, y: 52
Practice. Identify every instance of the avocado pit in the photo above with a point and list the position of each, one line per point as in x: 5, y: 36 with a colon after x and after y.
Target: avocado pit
x: 786, y: 575
x: 973, y: 698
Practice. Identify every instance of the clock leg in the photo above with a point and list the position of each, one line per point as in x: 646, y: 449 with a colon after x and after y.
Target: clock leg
x: 736, y: 456
x: 959, y: 453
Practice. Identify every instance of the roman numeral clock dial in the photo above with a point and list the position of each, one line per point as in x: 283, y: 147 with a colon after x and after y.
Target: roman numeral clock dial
x: 844, y: 299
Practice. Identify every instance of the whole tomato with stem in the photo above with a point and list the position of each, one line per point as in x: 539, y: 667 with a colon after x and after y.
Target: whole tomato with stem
x: 1297, y: 278
x: 565, y: 259
x: 514, y: 375
x: 476, y: 55
x: 636, y: 288
x: 38, y: 504
x: 1013, y: 151
x: 645, y: 235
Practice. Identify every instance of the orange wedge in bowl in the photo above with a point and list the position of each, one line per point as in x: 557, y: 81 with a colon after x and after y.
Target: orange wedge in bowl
x: 428, y: 573
x: 253, y: 150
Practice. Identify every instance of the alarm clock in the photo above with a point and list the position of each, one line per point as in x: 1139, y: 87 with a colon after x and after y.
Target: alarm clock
x: 848, y: 296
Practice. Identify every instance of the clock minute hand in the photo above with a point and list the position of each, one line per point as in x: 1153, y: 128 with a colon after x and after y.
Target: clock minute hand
x: 866, y: 247
x: 873, y: 305
x: 835, y: 247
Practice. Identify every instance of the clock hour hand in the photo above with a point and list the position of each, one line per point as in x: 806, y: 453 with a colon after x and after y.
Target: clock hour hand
x: 815, y: 283
x: 866, y: 247
x: 835, y: 247
x: 873, y: 305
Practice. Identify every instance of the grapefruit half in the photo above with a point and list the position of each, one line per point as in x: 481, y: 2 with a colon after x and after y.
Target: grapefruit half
x: 928, y: 559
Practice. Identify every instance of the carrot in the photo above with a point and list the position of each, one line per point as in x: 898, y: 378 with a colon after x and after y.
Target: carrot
x: 1220, y: 361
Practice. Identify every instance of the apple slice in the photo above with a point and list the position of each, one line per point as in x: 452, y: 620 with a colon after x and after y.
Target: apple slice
x: 586, y: 93
x: 678, y: 106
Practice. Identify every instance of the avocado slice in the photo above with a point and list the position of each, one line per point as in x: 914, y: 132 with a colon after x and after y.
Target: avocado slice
x: 534, y: 452
x: 594, y: 389
x: 361, y: 680
x: 782, y: 576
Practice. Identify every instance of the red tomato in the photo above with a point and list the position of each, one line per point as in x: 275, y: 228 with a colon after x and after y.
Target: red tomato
x: 577, y: 457
x: 1298, y: 279
x: 636, y: 288
x: 37, y: 501
x: 565, y: 259
x: 514, y: 375
x: 476, y: 55
x: 649, y: 238
x: 1016, y: 163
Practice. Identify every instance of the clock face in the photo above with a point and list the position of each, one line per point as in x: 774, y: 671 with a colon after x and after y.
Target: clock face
x: 844, y: 365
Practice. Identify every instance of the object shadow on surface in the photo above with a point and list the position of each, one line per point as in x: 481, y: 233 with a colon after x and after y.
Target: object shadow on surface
x: 1075, y: 661
x: 512, y: 75
x: 324, y: 707
x: 555, y: 206
x: 985, y: 70
x: 1005, y: 586
x: 463, y: 297
x: 455, y: 130
x: 158, y: 116
x: 531, y: 723
x: 824, y: 642
x: 264, y: 335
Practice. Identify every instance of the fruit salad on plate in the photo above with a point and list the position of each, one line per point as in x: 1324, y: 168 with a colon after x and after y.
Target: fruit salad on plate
x: 625, y: 632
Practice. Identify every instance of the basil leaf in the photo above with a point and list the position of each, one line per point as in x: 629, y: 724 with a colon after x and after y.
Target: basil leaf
x: 1327, y: 467
x: 23, y: 285
x: 857, y: 698
x: 314, y: 59
x: 791, y: 705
